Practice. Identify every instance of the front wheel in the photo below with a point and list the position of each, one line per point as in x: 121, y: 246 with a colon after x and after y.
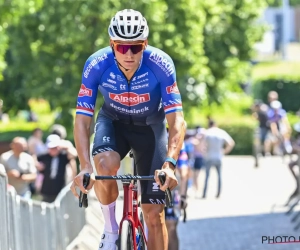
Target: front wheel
x: 126, y: 240
x: 142, y: 243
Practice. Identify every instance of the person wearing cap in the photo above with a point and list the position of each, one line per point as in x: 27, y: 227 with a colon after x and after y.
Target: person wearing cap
x: 280, y: 127
x: 19, y: 166
x: 53, y: 167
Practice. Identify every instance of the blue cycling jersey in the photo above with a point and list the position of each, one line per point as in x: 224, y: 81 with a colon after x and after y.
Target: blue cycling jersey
x: 151, y: 93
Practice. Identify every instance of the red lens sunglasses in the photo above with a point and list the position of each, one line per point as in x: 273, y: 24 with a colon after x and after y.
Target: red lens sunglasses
x: 123, y: 48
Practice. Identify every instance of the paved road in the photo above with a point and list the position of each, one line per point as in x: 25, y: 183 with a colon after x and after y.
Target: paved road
x: 250, y: 206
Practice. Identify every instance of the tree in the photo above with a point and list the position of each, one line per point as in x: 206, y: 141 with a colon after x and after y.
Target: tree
x: 48, y: 49
x: 10, y: 13
x: 229, y: 36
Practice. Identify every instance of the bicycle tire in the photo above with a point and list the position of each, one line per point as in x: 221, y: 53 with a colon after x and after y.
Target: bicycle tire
x: 142, y: 243
x: 126, y: 240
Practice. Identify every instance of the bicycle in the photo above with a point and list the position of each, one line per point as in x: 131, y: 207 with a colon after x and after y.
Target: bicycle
x: 131, y: 234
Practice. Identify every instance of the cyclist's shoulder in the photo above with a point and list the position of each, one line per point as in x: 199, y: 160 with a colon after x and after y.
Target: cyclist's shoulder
x: 158, y: 60
x: 152, y: 54
x: 99, y: 60
x: 102, y: 55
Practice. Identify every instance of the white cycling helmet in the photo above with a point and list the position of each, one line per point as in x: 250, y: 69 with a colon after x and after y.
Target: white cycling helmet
x: 128, y: 25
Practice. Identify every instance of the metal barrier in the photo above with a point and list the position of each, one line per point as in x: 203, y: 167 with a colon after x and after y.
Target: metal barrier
x: 34, y: 225
x: 4, y: 230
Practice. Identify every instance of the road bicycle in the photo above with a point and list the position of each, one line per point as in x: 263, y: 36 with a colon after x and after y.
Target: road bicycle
x: 131, y: 233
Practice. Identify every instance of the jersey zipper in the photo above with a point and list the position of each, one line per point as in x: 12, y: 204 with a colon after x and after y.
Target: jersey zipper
x: 128, y: 82
x: 129, y: 107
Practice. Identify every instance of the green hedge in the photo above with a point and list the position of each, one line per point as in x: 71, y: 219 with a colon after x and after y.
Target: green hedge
x: 288, y: 89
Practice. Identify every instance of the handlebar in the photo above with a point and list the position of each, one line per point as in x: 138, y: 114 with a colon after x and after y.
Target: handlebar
x: 83, y: 199
x: 169, y: 200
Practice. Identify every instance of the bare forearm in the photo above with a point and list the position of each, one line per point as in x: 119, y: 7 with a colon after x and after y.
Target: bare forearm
x: 28, y: 177
x: 82, y: 142
x: 176, y: 137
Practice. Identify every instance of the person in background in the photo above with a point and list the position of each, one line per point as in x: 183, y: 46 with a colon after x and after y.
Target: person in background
x: 19, y: 166
x: 53, y: 165
x: 61, y: 131
x: 260, y: 112
x: 36, y: 146
x: 215, y: 140
x: 199, y: 150
x: 280, y: 128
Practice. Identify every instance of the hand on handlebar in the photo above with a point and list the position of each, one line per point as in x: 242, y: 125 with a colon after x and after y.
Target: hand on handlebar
x: 171, y: 180
x: 78, y: 182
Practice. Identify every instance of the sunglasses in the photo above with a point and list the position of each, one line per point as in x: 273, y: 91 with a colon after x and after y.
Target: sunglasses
x: 123, y: 48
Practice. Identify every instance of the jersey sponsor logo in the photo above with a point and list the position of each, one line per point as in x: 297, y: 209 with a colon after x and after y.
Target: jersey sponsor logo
x: 85, y: 105
x: 102, y: 150
x: 130, y: 98
x: 106, y: 139
x: 163, y: 63
x: 109, y: 86
x: 129, y: 111
x: 141, y: 81
x: 84, y: 91
x: 122, y: 87
x: 157, y: 201
x: 155, y: 187
x: 93, y: 63
x: 172, y: 102
x: 140, y: 86
x: 173, y: 89
x: 172, y: 106
x: 111, y: 81
x: 112, y: 75
x: 120, y: 78
x: 141, y: 76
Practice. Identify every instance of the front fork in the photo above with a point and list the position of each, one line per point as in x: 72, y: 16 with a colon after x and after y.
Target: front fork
x: 129, y: 208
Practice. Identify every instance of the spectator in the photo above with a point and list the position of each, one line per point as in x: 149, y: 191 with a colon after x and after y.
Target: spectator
x: 215, y: 140
x: 272, y: 96
x: 19, y: 166
x: 199, y: 149
x: 53, y: 165
x: 280, y: 127
x: 260, y: 112
x: 61, y: 131
x: 36, y: 145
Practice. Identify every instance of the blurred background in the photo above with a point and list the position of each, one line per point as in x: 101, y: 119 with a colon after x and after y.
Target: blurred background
x: 230, y: 56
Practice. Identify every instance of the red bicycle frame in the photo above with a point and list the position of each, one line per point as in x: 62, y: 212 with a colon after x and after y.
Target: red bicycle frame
x: 130, y: 210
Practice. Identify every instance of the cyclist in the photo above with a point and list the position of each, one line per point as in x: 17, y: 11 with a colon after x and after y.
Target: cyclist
x: 138, y: 84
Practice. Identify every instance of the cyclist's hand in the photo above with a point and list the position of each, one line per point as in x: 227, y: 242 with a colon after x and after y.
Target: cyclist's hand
x: 171, y: 180
x: 78, y: 182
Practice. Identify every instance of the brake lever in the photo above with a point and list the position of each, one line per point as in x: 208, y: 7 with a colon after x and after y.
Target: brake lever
x: 83, y: 199
x: 169, y: 200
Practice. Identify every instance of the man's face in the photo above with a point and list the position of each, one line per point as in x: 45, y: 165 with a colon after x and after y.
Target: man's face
x: 129, y: 58
x: 19, y: 146
x: 53, y: 151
